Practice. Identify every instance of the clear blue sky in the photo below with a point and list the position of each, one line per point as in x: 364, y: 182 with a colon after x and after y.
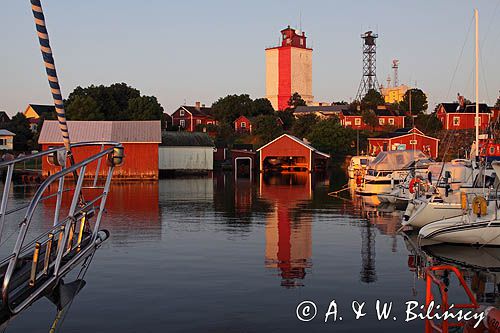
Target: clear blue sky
x: 201, y: 50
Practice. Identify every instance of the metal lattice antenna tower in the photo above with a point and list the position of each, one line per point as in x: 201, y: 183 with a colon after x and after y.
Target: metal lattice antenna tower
x: 395, y: 66
x: 369, y: 79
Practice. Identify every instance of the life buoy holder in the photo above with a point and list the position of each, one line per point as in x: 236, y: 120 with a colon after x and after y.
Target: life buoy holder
x: 413, y: 183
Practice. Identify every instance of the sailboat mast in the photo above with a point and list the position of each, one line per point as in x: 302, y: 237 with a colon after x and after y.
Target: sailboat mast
x: 476, y: 16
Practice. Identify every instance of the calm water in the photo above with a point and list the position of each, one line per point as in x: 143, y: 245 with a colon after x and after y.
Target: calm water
x: 209, y: 255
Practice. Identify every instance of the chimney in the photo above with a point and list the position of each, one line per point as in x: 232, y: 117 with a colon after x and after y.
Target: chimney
x: 197, y: 105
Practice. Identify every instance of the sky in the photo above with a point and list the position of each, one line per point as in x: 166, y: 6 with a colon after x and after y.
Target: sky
x: 188, y: 51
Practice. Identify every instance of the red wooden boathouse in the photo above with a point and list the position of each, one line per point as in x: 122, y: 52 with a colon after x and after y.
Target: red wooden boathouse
x: 139, y: 138
x: 289, y: 153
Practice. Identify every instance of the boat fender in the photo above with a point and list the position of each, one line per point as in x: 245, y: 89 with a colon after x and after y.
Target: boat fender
x: 413, y: 184
x: 479, y: 206
x: 463, y: 200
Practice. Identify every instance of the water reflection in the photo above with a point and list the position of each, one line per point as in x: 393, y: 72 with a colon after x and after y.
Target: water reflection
x: 288, y: 228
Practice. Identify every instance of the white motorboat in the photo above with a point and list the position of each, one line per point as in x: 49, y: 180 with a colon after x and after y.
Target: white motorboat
x: 387, y: 170
x: 357, y: 165
x: 463, y: 230
x: 407, y: 189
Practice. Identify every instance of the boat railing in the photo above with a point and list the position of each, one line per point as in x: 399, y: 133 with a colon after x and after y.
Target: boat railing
x: 71, y: 238
x: 432, y: 279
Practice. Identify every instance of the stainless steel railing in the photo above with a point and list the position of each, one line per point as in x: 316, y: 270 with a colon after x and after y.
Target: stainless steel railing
x: 70, y: 248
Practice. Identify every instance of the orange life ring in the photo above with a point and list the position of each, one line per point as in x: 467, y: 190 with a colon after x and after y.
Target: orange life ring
x: 414, y: 182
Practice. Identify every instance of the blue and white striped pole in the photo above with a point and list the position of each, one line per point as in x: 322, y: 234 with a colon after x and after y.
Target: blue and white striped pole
x: 50, y: 68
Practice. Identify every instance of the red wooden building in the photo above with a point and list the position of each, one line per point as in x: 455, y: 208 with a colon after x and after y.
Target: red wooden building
x: 139, y: 138
x: 243, y: 124
x: 386, y: 119
x: 189, y: 117
x: 403, y: 139
x: 289, y: 153
x: 456, y: 117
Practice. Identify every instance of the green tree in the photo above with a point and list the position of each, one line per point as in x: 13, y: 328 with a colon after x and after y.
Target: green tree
x: 296, y: 100
x: 304, y: 124
x: 24, y: 139
x: 267, y: 128
x: 287, y: 118
x: 144, y: 108
x: 369, y: 117
x: 262, y: 106
x: 228, y: 108
x: 372, y: 99
x: 418, y: 101
x: 331, y: 137
x: 116, y: 102
x: 428, y: 123
x: 83, y: 107
x: 225, y: 133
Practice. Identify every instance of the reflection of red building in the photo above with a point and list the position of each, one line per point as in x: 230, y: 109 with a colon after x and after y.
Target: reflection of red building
x: 130, y: 206
x: 288, y: 237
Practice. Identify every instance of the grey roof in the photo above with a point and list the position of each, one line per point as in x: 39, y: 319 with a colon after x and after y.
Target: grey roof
x: 182, y: 139
x: 121, y: 131
x: 469, y: 108
x: 6, y: 132
x: 201, y: 111
x: 324, y: 108
x: 4, y: 114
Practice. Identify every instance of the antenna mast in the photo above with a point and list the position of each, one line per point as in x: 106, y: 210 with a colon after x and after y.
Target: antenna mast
x: 395, y: 66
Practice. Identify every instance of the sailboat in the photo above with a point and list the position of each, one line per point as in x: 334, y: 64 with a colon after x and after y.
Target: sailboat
x: 479, y: 224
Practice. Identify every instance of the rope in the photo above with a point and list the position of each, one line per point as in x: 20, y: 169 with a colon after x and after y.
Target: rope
x: 50, y: 69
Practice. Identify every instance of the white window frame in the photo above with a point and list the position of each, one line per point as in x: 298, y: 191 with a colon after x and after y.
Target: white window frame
x: 181, y: 113
x: 198, y: 121
x: 381, y: 121
x: 182, y: 123
x: 357, y: 121
x: 456, y: 121
x: 391, y: 121
x: 243, y: 125
x: 413, y: 142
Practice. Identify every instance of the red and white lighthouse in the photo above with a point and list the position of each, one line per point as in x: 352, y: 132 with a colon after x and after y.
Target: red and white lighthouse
x: 289, y: 69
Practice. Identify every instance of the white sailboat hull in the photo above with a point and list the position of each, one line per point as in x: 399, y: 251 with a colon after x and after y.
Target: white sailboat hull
x: 430, y: 212
x: 455, y: 230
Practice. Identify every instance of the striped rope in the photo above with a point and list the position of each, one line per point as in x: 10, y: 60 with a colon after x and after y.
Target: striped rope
x: 50, y: 68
